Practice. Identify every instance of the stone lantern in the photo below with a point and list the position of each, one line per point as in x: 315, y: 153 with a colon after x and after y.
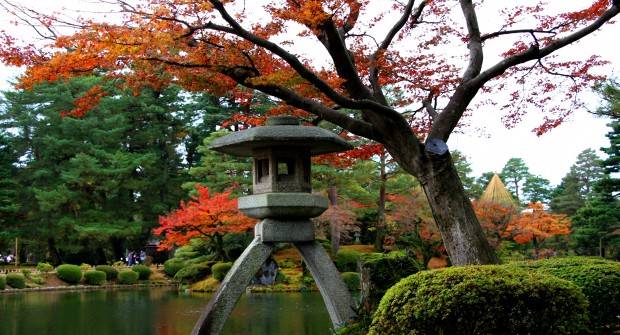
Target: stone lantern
x: 282, y: 198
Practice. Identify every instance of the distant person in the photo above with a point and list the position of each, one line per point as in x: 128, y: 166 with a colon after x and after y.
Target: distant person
x: 130, y: 257
x: 142, y: 256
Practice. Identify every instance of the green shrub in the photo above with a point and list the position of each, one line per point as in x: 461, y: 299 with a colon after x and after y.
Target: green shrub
x: 478, y: 300
x: 38, y: 280
x: 352, y: 280
x: 2, y: 283
x: 346, y: 260
x: 45, y: 267
x: 220, y: 270
x: 143, y: 270
x: 382, y: 271
x: 197, y: 260
x: 94, y: 277
x: 128, y: 277
x: 85, y: 266
x: 111, y: 272
x: 16, y: 280
x: 119, y: 263
x: 26, y: 272
x: 172, y: 266
x: 599, y: 280
x: 193, y: 272
x: 69, y: 273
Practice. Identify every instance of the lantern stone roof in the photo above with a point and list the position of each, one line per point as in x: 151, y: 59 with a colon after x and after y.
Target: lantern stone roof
x: 280, y: 131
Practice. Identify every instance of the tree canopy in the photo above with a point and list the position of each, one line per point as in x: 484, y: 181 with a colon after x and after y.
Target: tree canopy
x: 441, y: 56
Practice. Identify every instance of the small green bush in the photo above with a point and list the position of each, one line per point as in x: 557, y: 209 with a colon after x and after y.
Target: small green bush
x: 196, y: 260
x: 481, y: 300
x: 352, y: 280
x: 599, y: 280
x: 193, y: 272
x: 94, y: 277
x: 346, y: 260
x: 119, y: 263
x: 111, y: 272
x: 45, y: 267
x: 128, y: 277
x: 2, y: 283
x: 172, y: 266
x: 38, y: 280
x: 220, y: 270
x: 143, y: 270
x: 382, y: 271
x: 85, y: 266
x: 16, y: 280
x: 69, y: 273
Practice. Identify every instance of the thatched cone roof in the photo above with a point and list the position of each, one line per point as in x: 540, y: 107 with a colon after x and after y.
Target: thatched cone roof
x: 497, y: 192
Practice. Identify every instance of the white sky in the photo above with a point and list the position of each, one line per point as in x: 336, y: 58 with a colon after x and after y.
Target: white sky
x: 549, y: 156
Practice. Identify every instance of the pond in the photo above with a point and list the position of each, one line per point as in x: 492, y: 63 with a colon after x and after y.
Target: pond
x: 156, y: 311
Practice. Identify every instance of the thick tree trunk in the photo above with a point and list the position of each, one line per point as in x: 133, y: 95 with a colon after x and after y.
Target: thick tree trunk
x: 381, y: 206
x: 454, y: 214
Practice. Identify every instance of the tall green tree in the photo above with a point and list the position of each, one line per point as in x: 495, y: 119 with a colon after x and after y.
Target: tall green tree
x: 9, y: 207
x: 536, y: 189
x: 514, y: 175
x: 98, y: 182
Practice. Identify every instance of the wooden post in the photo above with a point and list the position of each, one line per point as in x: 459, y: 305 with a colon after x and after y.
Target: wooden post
x: 16, y: 252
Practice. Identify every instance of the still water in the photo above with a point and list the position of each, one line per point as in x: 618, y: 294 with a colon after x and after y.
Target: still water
x: 156, y: 311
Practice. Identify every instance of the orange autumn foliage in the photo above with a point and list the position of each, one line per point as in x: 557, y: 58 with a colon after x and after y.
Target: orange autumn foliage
x: 204, y: 216
x: 535, y: 225
x: 495, y: 219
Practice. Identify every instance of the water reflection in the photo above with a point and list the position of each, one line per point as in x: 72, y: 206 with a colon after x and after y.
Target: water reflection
x: 156, y: 311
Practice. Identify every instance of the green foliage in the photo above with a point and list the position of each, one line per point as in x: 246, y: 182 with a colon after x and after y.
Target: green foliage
x: 69, y: 273
x: 478, y: 300
x: 2, y: 283
x: 45, y: 267
x: 26, y: 272
x: 172, y: 266
x: 220, y: 270
x: 385, y: 270
x: 598, y: 279
x: 143, y: 270
x: 95, y: 277
x: 194, y: 272
x: 346, y: 260
x: 235, y: 244
x: 352, y: 280
x: 128, y: 277
x: 111, y: 272
x: 85, y: 266
x: 16, y: 280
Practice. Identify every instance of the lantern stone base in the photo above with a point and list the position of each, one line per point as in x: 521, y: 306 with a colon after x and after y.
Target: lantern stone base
x: 283, y: 205
x: 269, y: 230
x: 333, y: 289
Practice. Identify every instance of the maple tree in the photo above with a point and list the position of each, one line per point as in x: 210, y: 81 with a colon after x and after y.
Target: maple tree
x: 495, y: 218
x: 433, y: 51
x: 206, y: 215
x: 535, y: 225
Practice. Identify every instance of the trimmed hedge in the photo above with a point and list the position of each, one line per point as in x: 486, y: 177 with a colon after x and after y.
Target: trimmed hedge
x: 599, y: 280
x: 128, y: 277
x: 111, y: 272
x: 143, y: 270
x: 95, y: 277
x: 346, y: 260
x: 69, y: 273
x: 45, y: 267
x: 172, y: 266
x: 479, y: 300
x: 352, y: 280
x: 194, y: 272
x: 16, y: 280
x: 220, y: 270
x: 385, y: 270
x: 2, y: 283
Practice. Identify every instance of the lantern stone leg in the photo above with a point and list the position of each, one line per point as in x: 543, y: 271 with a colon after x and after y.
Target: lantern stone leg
x: 223, y: 302
x: 333, y: 289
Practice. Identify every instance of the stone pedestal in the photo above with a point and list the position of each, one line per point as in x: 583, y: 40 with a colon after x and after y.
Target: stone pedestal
x: 301, y: 232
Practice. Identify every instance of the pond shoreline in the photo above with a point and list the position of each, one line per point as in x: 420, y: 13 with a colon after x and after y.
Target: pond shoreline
x: 83, y: 287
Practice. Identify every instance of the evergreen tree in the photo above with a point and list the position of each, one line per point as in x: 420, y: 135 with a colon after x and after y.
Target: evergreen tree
x: 536, y: 189
x: 514, y: 174
x: 8, y: 191
x: 96, y: 184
